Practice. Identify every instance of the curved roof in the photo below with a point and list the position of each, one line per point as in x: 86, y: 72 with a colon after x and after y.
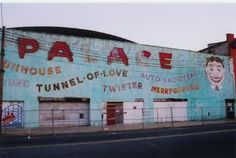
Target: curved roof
x: 73, y: 32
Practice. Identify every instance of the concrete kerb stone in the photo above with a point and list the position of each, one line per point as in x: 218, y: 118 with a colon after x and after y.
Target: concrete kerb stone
x: 111, y: 128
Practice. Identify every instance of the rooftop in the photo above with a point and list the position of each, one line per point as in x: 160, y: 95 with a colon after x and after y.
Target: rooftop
x: 72, y: 32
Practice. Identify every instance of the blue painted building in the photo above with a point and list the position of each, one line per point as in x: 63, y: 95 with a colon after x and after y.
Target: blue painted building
x: 92, y: 79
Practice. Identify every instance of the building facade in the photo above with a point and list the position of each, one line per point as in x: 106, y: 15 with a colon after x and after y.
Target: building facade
x: 93, y: 80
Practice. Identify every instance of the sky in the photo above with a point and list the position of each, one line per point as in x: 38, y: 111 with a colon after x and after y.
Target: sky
x: 189, y: 26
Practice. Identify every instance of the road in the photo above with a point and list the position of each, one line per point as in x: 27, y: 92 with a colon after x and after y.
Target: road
x: 212, y: 141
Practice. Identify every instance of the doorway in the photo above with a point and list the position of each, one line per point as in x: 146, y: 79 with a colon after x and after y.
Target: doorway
x: 229, y: 108
x: 115, y: 113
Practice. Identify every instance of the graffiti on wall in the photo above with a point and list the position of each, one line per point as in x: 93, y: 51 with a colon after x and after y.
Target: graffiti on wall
x: 215, y: 72
x: 12, y: 114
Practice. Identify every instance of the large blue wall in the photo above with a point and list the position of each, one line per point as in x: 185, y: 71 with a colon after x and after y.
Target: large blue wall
x: 134, y: 81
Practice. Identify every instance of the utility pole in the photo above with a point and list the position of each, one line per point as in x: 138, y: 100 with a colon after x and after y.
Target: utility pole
x: 1, y: 75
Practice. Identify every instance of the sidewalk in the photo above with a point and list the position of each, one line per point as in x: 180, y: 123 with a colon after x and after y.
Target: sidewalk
x: 105, y: 128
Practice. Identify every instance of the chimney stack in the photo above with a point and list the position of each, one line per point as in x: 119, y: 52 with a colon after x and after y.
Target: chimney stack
x: 230, y: 37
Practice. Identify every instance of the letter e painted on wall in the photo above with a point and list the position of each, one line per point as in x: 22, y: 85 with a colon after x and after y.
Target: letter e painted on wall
x: 26, y: 45
x: 117, y: 54
x: 60, y: 49
x: 165, y: 60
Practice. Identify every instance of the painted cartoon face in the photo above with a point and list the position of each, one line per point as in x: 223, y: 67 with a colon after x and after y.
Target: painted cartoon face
x: 215, y: 72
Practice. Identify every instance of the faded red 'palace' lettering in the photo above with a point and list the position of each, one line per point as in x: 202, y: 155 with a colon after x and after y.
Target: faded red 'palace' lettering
x: 62, y: 49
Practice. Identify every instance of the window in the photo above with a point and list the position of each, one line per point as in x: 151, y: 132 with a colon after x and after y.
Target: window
x: 81, y: 115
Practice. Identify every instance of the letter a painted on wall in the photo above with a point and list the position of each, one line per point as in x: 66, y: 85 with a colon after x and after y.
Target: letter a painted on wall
x: 117, y: 54
x: 60, y: 49
x: 27, y: 46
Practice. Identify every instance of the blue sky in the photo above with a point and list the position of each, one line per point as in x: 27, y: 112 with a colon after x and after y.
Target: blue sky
x: 188, y: 26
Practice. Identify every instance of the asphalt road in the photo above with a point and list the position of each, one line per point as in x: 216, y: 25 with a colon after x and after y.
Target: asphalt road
x: 213, y: 141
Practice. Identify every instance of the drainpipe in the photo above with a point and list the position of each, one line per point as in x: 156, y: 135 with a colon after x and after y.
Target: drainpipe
x: 232, y: 53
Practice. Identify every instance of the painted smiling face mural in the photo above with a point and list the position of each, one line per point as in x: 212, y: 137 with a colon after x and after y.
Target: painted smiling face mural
x: 215, y: 72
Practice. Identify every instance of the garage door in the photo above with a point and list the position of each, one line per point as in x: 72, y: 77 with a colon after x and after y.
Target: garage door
x: 64, y: 114
x: 133, y: 112
x: 164, y: 111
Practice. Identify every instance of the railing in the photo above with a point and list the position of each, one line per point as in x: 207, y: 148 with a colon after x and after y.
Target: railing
x: 58, y: 121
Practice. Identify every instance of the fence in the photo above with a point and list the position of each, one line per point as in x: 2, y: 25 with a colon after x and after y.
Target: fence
x: 58, y: 121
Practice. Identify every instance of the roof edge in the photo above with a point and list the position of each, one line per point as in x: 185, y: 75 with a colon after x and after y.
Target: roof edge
x: 73, y: 32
